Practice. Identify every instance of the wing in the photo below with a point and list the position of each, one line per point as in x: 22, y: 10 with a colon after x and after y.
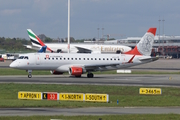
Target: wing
x: 83, y: 50
x: 96, y: 67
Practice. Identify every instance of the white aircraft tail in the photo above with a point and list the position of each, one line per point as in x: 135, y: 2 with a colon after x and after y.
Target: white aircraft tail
x: 35, y: 40
x: 144, y: 47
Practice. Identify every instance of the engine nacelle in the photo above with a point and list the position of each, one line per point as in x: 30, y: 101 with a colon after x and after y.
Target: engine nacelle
x: 59, y: 50
x: 77, y: 71
x: 56, y: 72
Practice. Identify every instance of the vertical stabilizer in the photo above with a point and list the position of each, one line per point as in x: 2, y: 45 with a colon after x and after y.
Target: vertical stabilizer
x: 144, y: 47
x: 35, y: 40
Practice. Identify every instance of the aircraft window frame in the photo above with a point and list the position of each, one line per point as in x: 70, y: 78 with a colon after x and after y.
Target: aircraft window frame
x: 26, y: 57
x: 21, y: 57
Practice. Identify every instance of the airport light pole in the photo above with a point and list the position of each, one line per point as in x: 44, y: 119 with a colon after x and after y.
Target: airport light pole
x: 98, y: 32
x: 159, y: 30
x: 163, y: 34
x: 68, y: 26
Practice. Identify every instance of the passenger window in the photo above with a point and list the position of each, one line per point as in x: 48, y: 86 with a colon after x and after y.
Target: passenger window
x: 87, y: 58
x: 53, y: 58
x: 95, y: 59
x: 118, y: 59
x: 84, y: 59
x: 49, y: 58
x: 60, y: 58
x: 68, y: 58
x: 111, y: 58
x: 99, y: 58
x: 114, y: 59
x: 107, y: 59
x: 91, y: 58
x: 75, y: 58
x: 64, y: 58
x: 56, y: 58
x: 103, y: 58
x: 45, y: 58
x: 79, y: 58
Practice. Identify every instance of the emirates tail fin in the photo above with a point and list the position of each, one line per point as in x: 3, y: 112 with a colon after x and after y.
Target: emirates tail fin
x: 35, y: 40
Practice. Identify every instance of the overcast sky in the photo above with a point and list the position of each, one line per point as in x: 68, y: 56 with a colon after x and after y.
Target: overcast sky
x: 130, y: 18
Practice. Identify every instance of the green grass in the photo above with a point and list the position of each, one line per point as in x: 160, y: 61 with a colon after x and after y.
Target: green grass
x: 9, y: 71
x: 105, y: 117
x: 127, y: 96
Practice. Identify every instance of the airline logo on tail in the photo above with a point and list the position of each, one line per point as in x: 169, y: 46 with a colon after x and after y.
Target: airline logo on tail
x: 35, y: 40
x: 144, y: 46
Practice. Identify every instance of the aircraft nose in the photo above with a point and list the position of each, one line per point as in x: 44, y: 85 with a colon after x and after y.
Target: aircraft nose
x: 13, y: 64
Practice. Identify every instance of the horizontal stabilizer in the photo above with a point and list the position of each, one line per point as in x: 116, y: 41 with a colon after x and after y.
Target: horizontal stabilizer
x: 149, y: 59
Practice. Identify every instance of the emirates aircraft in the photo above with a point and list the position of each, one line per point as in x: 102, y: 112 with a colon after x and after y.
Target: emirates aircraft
x: 74, y: 48
x: 77, y: 64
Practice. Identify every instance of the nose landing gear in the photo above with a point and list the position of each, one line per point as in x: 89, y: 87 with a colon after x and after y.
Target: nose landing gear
x: 29, y: 73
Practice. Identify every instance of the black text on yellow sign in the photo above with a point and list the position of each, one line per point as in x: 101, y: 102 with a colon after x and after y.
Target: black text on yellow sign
x: 30, y: 95
x: 44, y: 95
x: 71, y: 96
x: 150, y: 91
x: 97, y: 97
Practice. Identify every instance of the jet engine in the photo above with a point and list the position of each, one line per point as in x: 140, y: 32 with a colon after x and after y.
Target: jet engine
x: 56, y: 72
x: 76, y: 71
x: 59, y: 50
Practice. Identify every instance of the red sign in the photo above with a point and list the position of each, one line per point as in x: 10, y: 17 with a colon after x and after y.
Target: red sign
x: 52, y: 96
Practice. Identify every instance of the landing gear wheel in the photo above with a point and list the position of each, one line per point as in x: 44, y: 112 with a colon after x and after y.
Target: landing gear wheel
x: 29, y: 76
x: 90, y: 75
x: 78, y: 76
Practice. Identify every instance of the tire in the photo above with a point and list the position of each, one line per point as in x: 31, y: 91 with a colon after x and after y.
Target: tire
x: 29, y: 76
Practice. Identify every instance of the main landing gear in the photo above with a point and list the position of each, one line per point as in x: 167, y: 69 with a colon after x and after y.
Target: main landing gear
x: 90, y: 75
x: 29, y: 73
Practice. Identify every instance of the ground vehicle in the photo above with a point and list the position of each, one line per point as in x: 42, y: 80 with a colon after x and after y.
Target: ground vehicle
x: 1, y: 59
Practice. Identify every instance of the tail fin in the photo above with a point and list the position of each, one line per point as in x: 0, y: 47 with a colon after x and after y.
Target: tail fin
x: 144, y: 47
x: 43, y: 49
x: 35, y: 40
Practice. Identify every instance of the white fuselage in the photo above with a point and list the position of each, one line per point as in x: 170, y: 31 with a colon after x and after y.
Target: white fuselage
x: 63, y: 61
x: 88, y: 48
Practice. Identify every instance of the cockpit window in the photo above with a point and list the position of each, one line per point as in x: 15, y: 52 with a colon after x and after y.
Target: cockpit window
x: 21, y: 57
x: 26, y: 57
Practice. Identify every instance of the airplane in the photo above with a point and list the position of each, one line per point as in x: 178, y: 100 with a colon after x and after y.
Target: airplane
x: 77, y: 64
x: 74, y: 48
